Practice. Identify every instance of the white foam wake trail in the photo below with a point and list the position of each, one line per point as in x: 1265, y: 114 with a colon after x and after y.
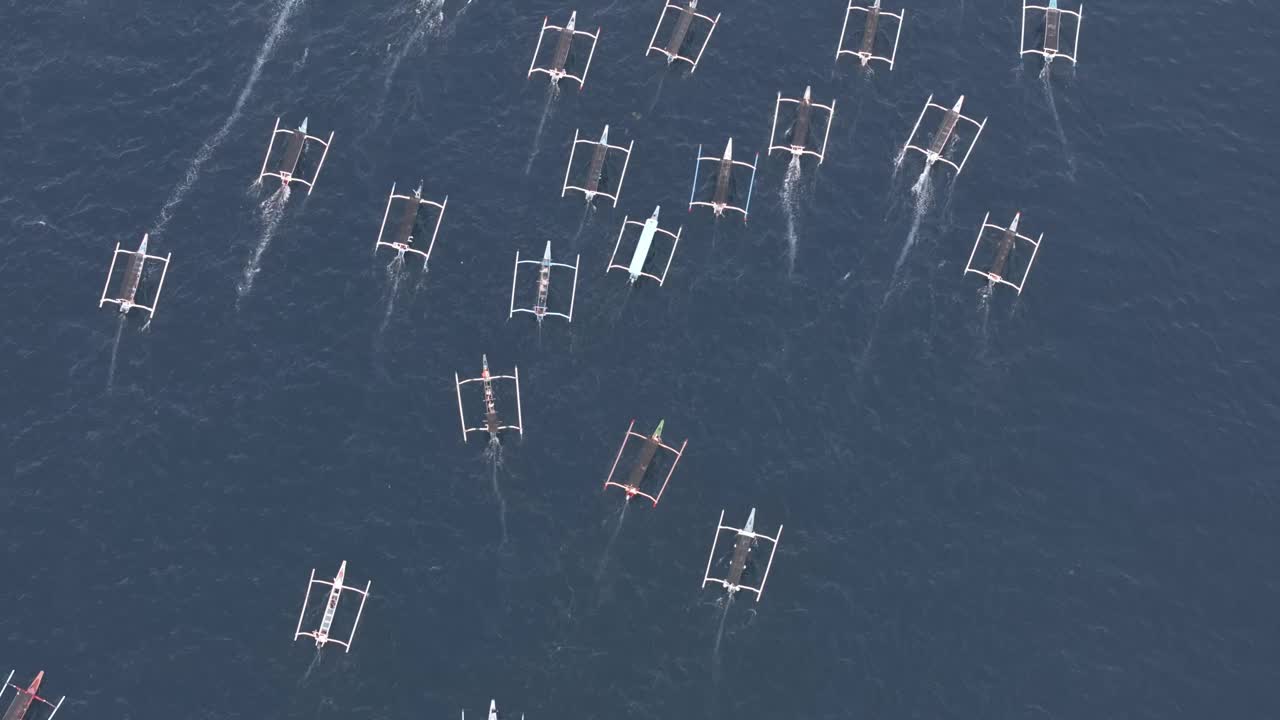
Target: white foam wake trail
x: 715, y: 650
x: 790, y: 191
x: 432, y: 12
x: 494, y: 453
x: 985, y: 301
x: 1057, y: 121
x: 923, y: 190
x: 395, y: 273
x: 552, y: 93
x: 115, y: 348
x: 205, y: 152
x: 453, y: 24
x: 315, y: 661
x: 272, y: 212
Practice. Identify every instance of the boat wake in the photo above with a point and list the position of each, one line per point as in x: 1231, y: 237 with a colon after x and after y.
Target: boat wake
x: 272, y: 213
x: 923, y: 192
x: 315, y: 662
x: 395, y: 274
x: 431, y: 16
x: 1057, y: 121
x: 617, y: 528
x: 657, y: 94
x: 205, y: 152
x: 984, y: 306
x: 715, y: 649
x: 553, y: 92
x: 453, y: 24
x: 493, y: 453
x: 582, y: 224
x: 115, y: 348
x: 790, y: 193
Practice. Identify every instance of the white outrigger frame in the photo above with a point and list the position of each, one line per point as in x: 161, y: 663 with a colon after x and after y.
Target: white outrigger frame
x: 802, y: 150
x: 1045, y: 51
x: 748, y: 531
x: 407, y: 246
x: 493, y: 711
x: 867, y: 52
x: 286, y: 176
x: 645, y: 242
x: 540, y: 308
x: 321, y: 634
x: 603, y: 142
x: 129, y: 299
x: 719, y: 208
x: 990, y: 276
x: 632, y: 491
x: 9, y: 684
x: 687, y: 13
x: 557, y: 70
x: 931, y: 157
x: 490, y: 405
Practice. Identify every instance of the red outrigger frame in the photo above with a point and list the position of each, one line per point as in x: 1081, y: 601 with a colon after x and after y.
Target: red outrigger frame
x: 633, y: 490
x: 30, y: 694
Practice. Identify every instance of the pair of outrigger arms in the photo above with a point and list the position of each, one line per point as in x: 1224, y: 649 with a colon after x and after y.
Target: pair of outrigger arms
x: 679, y: 46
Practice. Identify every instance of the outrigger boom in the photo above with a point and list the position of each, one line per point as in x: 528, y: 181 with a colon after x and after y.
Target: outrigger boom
x: 539, y: 309
x: 652, y: 443
x: 797, y: 144
x: 943, y: 135
x: 402, y: 241
x: 686, y: 11
x: 595, y: 171
x: 724, y: 179
x: 336, y: 588
x: 492, y: 424
x: 24, y: 697
x: 745, y: 542
x: 295, y: 146
x: 866, y: 51
x: 564, y: 44
x: 127, y: 296
x: 1052, y: 31
x: 1009, y: 238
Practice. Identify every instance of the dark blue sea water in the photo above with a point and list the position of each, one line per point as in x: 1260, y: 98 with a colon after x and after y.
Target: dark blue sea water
x: 1059, y: 505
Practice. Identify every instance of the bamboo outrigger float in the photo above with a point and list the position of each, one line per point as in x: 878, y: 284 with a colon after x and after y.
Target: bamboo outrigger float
x: 557, y: 69
x: 686, y: 11
x: 492, y: 424
x: 866, y: 51
x: 1005, y: 245
x: 407, y: 222
x: 295, y: 146
x: 648, y: 229
x: 649, y: 448
x: 127, y: 294
x: 24, y: 697
x: 745, y: 541
x: 941, y: 138
x: 1052, y: 46
x: 336, y: 588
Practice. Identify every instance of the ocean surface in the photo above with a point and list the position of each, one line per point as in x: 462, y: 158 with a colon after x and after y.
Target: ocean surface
x: 1060, y: 505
